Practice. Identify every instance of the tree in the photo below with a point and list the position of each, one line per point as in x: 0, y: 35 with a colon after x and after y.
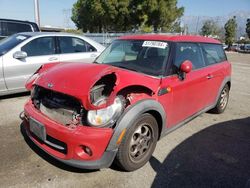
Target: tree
x: 124, y: 15
x: 210, y: 28
x: 117, y: 15
x: 99, y: 15
x: 162, y: 14
x: 87, y: 13
x: 248, y: 28
x: 230, y: 31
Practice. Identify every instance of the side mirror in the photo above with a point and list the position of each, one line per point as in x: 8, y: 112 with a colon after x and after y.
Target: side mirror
x: 185, y: 68
x: 20, y: 55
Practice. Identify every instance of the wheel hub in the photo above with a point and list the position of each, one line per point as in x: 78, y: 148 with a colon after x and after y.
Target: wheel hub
x: 223, y: 98
x: 140, y: 142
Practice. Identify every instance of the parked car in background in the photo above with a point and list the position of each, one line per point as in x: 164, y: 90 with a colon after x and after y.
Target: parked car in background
x: 233, y: 48
x: 9, y: 27
x: 224, y: 46
x: 139, y: 89
x: 23, y: 53
x: 247, y: 48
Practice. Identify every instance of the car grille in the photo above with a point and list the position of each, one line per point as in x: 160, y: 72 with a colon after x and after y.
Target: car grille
x: 59, y: 107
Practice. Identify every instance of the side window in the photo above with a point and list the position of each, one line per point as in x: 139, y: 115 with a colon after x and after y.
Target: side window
x: 90, y: 48
x: 213, y: 53
x: 191, y: 52
x: 40, y: 46
x: 9, y: 28
x: 74, y: 45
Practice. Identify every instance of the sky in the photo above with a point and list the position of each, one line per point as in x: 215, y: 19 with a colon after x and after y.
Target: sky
x: 213, y: 7
x: 57, y: 12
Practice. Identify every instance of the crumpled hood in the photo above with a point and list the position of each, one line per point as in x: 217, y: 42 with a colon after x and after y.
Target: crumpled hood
x: 77, y: 79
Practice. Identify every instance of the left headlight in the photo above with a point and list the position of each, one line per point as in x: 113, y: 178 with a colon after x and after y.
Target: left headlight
x: 106, y: 116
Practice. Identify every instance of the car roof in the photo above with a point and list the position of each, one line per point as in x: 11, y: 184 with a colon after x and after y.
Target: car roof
x: 48, y: 34
x: 41, y: 34
x: 12, y: 20
x: 177, y: 38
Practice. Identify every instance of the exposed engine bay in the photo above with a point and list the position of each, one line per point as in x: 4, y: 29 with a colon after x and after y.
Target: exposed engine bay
x: 61, y: 108
x: 69, y: 111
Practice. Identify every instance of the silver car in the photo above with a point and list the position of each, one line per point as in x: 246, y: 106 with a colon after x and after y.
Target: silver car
x: 23, y: 53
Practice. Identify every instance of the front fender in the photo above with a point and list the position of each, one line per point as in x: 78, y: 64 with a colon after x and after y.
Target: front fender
x: 131, y: 114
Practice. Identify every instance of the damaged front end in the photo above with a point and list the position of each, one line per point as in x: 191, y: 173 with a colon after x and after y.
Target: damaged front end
x: 68, y: 110
x: 100, y: 96
x: 96, y: 103
x: 59, y: 107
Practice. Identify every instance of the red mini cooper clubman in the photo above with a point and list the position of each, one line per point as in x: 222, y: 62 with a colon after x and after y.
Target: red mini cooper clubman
x: 138, y: 90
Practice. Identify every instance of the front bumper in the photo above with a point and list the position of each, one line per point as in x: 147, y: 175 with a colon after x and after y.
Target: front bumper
x: 66, y: 144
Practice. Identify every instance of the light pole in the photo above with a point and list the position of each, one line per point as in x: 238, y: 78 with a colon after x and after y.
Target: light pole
x: 37, y: 15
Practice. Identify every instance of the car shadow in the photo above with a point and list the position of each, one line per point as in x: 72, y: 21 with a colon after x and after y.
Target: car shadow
x: 218, y: 156
x: 48, y: 158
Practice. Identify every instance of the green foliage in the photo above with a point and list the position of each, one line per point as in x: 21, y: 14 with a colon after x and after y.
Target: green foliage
x: 87, y: 13
x: 210, y: 28
x: 248, y: 28
x: 230, y: 31
x: 124, y: 15
x: 162, y: 14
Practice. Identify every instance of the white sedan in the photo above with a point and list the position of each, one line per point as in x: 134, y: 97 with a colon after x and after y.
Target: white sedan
x: 23, y: 53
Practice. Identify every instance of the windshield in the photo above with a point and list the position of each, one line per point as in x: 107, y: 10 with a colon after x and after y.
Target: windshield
x: 10, y: 42
x: 138, y: 55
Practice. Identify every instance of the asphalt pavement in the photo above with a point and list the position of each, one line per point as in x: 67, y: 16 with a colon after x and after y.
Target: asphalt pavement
x: 210, y: 151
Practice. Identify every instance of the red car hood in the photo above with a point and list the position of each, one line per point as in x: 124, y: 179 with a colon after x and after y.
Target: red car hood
x: 77, y: 79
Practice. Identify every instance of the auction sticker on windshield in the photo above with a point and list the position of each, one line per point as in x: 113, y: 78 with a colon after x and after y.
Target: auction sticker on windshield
x: 155, y: 44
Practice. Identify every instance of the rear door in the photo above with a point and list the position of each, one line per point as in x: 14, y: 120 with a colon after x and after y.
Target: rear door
x: 39, y: 50
x: 188, y: 96
x: 74, y: 49
x: 216, y: 62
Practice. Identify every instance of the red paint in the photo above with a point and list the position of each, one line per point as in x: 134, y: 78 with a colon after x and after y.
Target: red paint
x: 177, y: 38
x: 29, y: 83
x: 95, y: 138
x: 186, y: 66
x: 183, y: 99
x: 84, y: 76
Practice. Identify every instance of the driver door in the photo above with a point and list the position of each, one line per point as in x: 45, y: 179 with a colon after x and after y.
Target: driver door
x: 39, y: 51
x: 187, y: 96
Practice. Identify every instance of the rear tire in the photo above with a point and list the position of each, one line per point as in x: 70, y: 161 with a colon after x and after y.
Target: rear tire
x: 138, y: 144
x: 222, y: 101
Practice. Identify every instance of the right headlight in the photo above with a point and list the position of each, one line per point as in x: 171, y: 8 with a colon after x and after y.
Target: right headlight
x: 106, y: 116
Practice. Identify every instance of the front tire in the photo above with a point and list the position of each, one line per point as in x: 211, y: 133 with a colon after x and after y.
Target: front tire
x: 138, y: 144
x: 222, y: 101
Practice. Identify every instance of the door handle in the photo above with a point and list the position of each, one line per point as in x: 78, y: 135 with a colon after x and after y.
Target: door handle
x: 53, y: 58
x: 93, y: 55
x: 209, y: 76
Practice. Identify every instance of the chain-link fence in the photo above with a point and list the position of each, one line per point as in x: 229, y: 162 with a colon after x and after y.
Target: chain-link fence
x: 106, y: 38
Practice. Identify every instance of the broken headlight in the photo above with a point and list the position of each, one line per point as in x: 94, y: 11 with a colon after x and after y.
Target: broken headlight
x: 106, y: 116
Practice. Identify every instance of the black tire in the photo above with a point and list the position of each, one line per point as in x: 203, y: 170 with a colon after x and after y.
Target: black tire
x: 222, y: 101
x: 138, y: 144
